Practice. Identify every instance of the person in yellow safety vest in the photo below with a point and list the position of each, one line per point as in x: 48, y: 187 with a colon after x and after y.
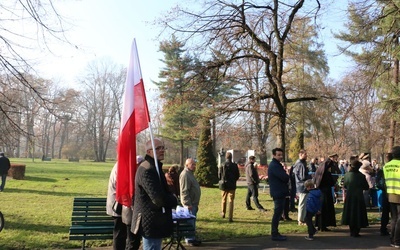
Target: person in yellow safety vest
x: 391, y: 172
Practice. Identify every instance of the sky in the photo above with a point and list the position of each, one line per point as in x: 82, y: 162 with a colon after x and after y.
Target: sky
x: 106, y: 28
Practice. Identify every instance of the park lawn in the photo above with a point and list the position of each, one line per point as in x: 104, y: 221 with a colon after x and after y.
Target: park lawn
x: 38, y: 209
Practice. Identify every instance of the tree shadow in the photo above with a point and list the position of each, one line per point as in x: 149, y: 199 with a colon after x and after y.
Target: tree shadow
x: 11, y: 225
x: 39, y: 179
x: 41, y: 192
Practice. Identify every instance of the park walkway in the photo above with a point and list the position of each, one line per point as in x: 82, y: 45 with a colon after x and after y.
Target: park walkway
x: 338, y: 238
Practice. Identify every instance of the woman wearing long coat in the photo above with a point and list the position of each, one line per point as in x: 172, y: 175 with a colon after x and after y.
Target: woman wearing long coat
x: 324, y: 182
x: 354, y: 210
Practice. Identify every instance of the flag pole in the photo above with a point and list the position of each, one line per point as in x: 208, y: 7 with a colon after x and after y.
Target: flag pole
x: 155, y: 155
x: 154, y: 150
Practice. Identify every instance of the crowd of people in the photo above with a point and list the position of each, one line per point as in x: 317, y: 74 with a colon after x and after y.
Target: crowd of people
x: 313, y: 184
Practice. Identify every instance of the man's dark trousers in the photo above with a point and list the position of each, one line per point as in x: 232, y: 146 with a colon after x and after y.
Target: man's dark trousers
x: 279, y: 203
x: 252, y: 190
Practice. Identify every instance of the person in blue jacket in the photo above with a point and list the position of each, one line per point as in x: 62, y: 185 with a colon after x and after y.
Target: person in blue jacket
x: 278, y: 187
x: 313, y: 207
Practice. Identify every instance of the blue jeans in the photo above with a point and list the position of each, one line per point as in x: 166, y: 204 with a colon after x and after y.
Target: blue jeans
x: 279, y: 204
x: 194, y: 211
x: 152, y: 243
x: 3, y: 181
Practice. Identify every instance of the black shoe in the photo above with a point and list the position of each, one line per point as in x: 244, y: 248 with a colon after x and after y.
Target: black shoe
x: 279, y: 238
x: 281, y: 219
x: 385, y: 233
x: 325, y: 229
x: 288, y: 219
x: 194, y: 243
x: 250, y: 208
x: 262, y: 210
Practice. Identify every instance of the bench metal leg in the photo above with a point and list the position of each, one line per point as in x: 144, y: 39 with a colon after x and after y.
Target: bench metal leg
x: 177, y: 241
x: 170, y: 243
x: 83, y: 244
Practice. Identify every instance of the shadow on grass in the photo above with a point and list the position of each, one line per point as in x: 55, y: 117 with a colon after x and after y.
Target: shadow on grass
x: 238, y: 220
x: 39, y: 179
x: 12, y: 225
x: 42, y: 192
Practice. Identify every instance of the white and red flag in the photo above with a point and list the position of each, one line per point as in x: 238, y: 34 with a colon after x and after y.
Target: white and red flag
x: 135, y: 118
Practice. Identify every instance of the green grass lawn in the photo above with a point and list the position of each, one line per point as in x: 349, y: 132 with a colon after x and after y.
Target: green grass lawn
x: 38, y: 209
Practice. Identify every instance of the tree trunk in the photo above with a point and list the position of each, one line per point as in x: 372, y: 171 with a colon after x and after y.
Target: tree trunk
x: 392, y: 132
x: 181, y: 154
x: 280, y: 143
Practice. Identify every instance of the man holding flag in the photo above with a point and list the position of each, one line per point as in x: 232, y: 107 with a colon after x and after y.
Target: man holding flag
x: 152, y: 212
x: 152, y: 215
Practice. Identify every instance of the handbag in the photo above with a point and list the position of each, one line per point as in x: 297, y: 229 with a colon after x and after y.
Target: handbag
x: 221, y: 184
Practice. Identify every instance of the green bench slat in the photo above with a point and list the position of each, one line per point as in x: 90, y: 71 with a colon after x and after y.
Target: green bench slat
x: 90, y: 199
x: 94, y: 224
x: 90, y: 209
x: 89, y: 220
x: 91, y: 230
x: 89, y: 213
x: 92, y: 204
x: 90, y: 237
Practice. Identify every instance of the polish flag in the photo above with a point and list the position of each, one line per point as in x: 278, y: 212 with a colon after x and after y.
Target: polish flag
x: 135, y: 118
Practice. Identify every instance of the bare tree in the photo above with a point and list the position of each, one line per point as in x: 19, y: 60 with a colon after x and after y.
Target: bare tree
x: 25, y: 26
x: 242, y: 31
x: 100, y: 104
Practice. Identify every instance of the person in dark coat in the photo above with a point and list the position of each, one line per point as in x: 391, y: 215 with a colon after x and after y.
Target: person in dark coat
x: 313, y: 165
x: 252, y: 180
x: 4, y: 167
x: 292, y: 190
x: 324, y: 182
x: 380, y: 184
x: 172, y: 178
x: 354, y: 210
x: 152, y: 212
x: 301, y: 175
x: 228, y: 175
x: 278, y: 188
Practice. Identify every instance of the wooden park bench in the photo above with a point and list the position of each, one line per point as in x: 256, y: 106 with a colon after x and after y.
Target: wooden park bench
x: 89, y: 220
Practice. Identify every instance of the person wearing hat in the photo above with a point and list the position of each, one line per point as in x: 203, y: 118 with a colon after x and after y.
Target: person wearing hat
x: 335, y: 171
x: 252, y: 181
x: 4, y: 167
x: 354, y: 209
x: 324, y: 181
x: 335, y: 168
x: 366, y: 170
